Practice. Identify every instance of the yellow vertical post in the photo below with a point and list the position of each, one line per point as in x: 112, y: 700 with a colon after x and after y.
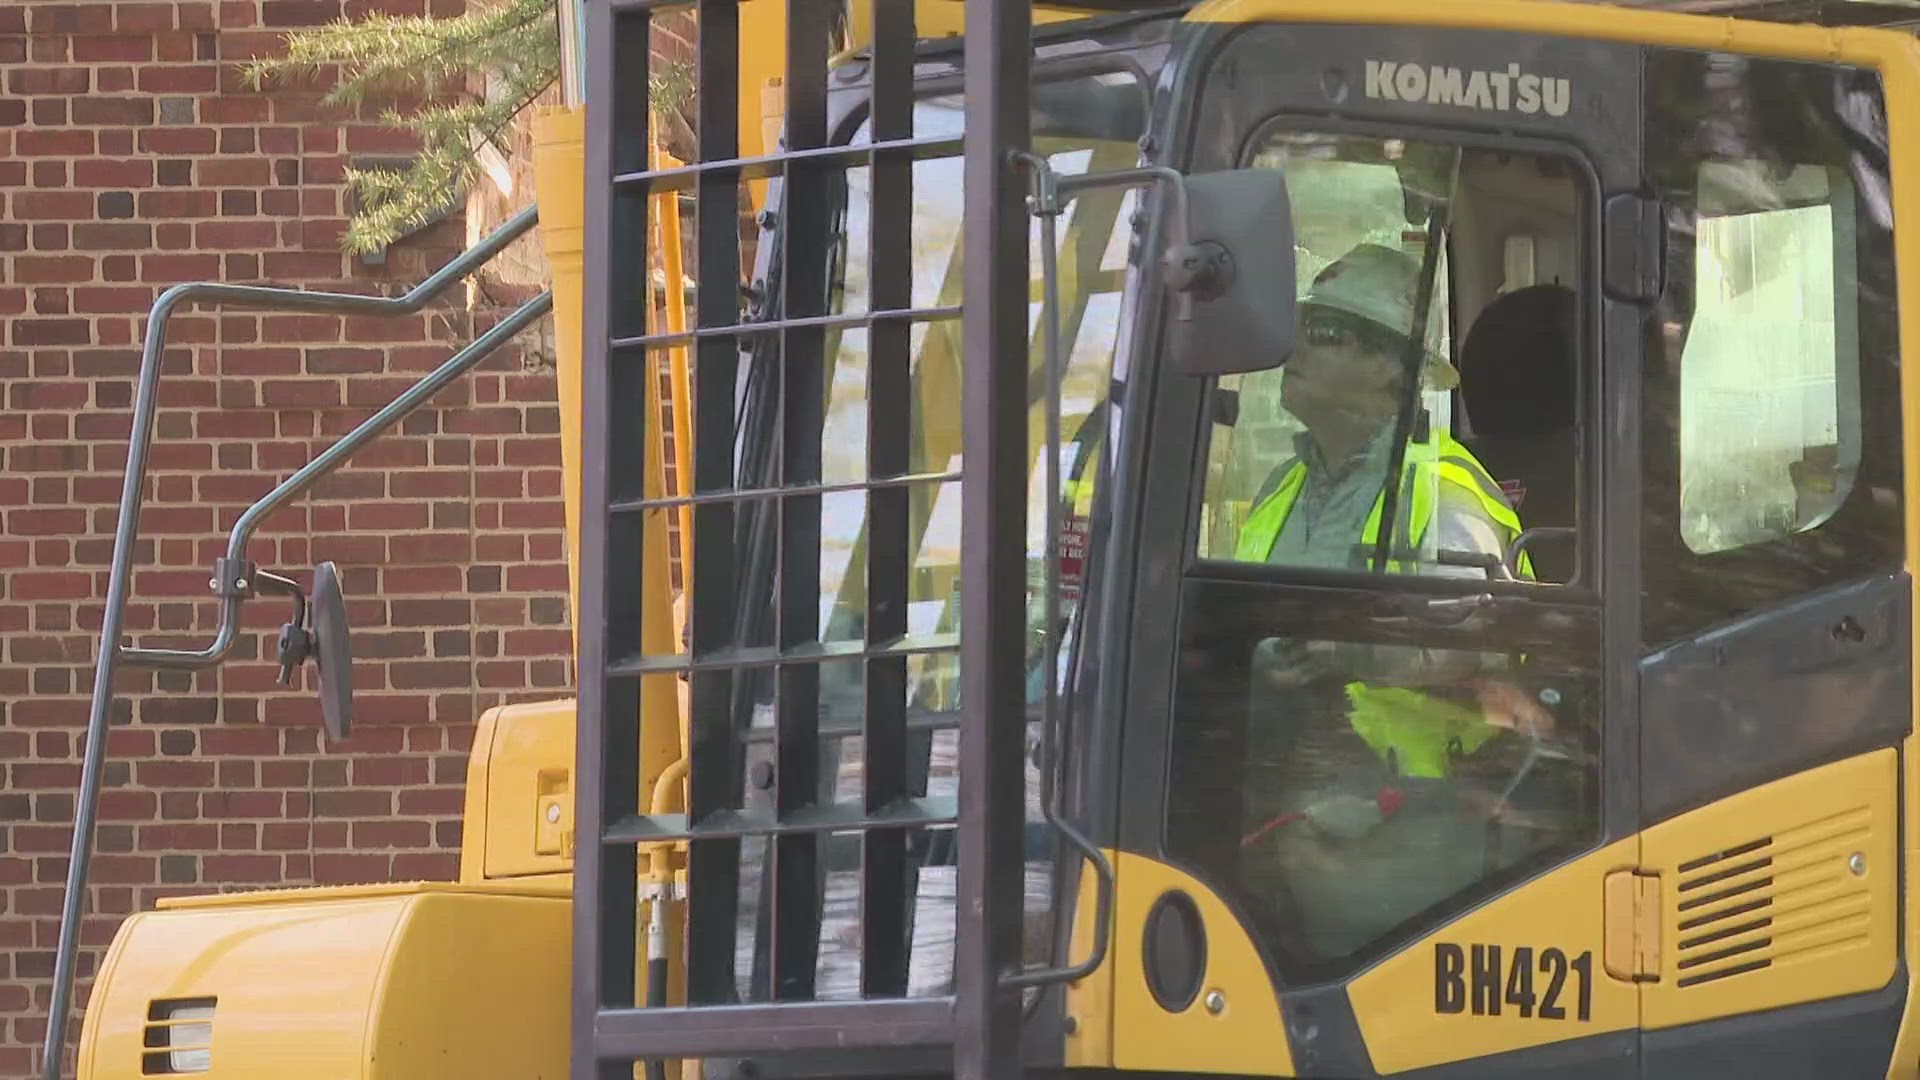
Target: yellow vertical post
x: 559, y: 171
x: 559, y: 152
x: 762, y: 90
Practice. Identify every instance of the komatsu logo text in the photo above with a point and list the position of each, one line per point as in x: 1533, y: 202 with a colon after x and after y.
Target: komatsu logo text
x: 1511, y: 90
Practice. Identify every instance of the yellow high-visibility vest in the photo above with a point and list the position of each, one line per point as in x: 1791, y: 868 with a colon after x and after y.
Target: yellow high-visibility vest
x: 1415, y: 732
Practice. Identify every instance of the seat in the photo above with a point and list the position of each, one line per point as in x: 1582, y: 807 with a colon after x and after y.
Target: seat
x: 1519, y: 386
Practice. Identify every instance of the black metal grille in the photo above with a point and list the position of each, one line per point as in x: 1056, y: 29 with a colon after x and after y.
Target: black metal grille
x: 757, y: 494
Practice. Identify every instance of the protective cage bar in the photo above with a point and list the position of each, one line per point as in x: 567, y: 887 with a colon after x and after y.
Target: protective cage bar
x: 760, y: 394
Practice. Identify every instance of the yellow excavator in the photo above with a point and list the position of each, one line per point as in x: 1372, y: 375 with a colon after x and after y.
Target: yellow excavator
x: 1102, y: 648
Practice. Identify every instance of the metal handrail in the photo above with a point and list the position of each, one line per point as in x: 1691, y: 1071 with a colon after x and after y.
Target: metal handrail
x: 233, y: 576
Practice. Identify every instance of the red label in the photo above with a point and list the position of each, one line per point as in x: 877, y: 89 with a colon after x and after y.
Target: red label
x: 1073, y: 556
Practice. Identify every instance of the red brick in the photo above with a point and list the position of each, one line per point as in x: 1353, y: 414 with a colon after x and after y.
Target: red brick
x: 299, y: 12
x: 242, y: 804
x: 53, y: 205
x: 62, y: 143
x: 50, y: 302
x: 236, y: 110
x: 177, y: 141
x: 51, y: 332
x: 418, y: 484
x: 174, y: 268
x: 113, y: 236
x: 178, y: 203
x: 177, y: 48
x: 346, y: 869
x: 240, y: 868
x: 144, y: 17
x: 179, y: 79
x: 432, y: 801
x: 107, y: 300
x: 231, y: 235
x: 44, y: 269
x: 113, y: 111
x: 70, y: 18
x: 50, y: 586
x: 340, y: 361
x: 289, y: 328
x: 58, y: 80
x: 373, y: 835
x: 123, y: 869
x: 309, y: 393
x: 113, y: 48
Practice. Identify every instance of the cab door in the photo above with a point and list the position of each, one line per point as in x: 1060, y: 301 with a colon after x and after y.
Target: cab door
x: 1775, y: 635
x: 1408, y: 766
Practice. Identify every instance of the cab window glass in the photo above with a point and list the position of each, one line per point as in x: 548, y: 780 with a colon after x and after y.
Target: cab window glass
x: 1772, y: 427
x: 1346, y: 779
x: 1436, y: 334
x: 1769, y: 425
x: 1346, y: 769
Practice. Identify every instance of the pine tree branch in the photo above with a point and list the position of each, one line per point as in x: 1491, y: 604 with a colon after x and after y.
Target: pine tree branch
x: 426, y: 63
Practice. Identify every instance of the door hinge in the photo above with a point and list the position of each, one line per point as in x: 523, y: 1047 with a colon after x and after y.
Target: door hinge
x: 1633, y: 926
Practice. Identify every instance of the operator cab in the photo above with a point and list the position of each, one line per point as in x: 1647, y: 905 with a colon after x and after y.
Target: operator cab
x: 1569, y: 386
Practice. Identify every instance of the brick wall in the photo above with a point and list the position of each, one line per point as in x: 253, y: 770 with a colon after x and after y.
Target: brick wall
x: 131, y: 159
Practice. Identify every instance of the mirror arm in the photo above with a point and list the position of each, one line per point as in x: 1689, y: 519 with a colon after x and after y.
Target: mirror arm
x: 234, y: 576
x: 1049, y: 192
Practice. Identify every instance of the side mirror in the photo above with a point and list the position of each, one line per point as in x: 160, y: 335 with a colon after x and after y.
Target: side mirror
x: 332, y: 652
x: 1234, y: 274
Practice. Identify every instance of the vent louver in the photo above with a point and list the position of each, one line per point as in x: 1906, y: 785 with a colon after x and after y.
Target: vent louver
x: 179, y: 1037
x: 1747, y: 907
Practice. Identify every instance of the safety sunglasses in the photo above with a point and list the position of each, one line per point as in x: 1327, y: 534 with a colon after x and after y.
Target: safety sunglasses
x: 1329, y: 330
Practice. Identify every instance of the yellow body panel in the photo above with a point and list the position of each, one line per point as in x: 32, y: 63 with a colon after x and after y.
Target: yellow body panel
x: 1394, y: 1001
x: 1600, y: 22
x: 1808, y: 863
x: 1089, y: 1043
x: 1902, y: 82
x: 374, y: 983
x: 1245, y: 1036
x: 947, y: 18
x: 518, y: 819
